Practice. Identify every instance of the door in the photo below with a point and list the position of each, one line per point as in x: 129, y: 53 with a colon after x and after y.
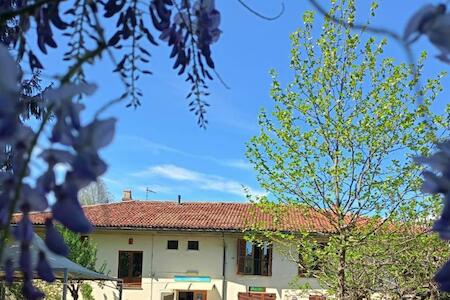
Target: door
x: 256, y: 296
x: 194, y: 295
x: 199, y: 295
x: 185, y: 295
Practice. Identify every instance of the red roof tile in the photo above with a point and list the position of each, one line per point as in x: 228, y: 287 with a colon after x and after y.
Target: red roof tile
x: 193, y: 216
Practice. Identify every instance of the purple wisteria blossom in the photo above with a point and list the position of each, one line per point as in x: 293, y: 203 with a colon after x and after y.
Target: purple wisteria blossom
x: 437, y: 181
x: 434, y: 22
x: 43, y: 268
x: 54, y: 240
x: 71, y: 143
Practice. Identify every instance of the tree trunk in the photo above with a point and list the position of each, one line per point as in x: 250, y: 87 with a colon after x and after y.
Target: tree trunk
x: 342, y: 288
x: 73, y: 288
x: 434, y: 293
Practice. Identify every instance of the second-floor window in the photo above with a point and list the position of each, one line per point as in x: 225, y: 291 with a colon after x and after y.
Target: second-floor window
x: 172, y: 244
x: 130, y: 268
x: 254, y: 259
x: 192, y: 245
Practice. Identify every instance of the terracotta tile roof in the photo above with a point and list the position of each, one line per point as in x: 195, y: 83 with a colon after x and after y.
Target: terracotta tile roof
x: 193, y: 216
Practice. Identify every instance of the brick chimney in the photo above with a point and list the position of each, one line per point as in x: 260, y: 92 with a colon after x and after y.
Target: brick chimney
x: 127, y: 195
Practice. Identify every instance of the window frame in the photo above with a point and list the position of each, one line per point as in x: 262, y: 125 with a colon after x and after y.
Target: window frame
x: 190, y: 249
x: 131, y: 281
x: 168, y: 242
x: 264, y: 270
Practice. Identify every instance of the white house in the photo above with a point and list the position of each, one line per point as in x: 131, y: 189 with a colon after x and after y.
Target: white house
x: 192, y: 251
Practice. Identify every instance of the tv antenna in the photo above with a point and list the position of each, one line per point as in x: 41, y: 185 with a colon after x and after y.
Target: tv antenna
x: 147, y: 190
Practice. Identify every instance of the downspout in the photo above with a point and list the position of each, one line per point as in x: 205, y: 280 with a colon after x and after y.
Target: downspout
x: 224, y: 282
x: 151, y: 271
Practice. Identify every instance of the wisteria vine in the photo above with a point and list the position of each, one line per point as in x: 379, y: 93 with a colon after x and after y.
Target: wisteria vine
x: 69, y: 143
x: 188, y: 27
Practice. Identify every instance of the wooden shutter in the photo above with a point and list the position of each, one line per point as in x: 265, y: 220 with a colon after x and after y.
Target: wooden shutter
x: 241, y: 251
x: 243, y: 296
x: 269, y: 267
x: 317, y: 297
x: 269, y: 296
x: 256, y: 296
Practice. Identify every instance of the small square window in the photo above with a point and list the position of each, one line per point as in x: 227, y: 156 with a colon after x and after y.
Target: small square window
x: 192, y: 245
x: 172, y: 245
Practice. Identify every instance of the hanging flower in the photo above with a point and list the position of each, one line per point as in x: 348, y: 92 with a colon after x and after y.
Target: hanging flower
x: 54, y: 240
x: 43, y: 268
x: 9, y: 270
x: 434, y: 22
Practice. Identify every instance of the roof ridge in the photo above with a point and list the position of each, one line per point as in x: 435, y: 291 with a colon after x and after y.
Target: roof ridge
x: 166, y: 202
x: 190, y: 216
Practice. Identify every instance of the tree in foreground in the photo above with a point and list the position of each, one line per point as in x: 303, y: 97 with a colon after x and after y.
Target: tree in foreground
x: 400, y: 261
x: 339, y: 142
x: 83, y: 252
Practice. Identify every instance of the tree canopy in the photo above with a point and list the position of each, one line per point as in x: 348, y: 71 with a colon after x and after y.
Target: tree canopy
x: 341, y: 137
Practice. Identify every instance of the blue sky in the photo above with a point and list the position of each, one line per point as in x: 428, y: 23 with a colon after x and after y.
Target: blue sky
x: 159, y: 146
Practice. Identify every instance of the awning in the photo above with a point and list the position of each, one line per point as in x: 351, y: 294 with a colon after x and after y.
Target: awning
x: 183, y: 286
x: 62, y: 267
x: 189, y: 286
x: 201, y: 286
x: 59, y: 264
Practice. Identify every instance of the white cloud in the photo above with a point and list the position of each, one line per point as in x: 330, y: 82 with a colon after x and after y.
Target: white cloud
x: 238, y: 164
x: 170, y: 172
x: 200, y: 180
x: 156, y: 148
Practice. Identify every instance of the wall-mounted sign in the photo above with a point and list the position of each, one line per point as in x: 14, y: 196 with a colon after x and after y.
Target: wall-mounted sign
x: 178, y: 278
x: 259, y: 289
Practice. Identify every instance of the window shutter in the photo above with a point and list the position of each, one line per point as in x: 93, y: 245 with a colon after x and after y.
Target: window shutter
x: 269, y: 268
x: 241, y: 255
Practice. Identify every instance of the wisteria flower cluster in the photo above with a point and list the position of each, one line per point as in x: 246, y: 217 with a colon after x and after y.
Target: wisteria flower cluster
x: 437, y: 181
x: 190, y: 34
x: 70, y: 142
x: 434, y: 22
x: 189, y: 27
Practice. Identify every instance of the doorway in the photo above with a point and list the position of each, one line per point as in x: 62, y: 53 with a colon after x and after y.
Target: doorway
x: 193, y: 295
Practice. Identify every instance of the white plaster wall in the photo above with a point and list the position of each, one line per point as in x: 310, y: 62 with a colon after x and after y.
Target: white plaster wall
x: 207, y: 261
x: 165, y: 264
x: 108, y: 246
x: 283, y: 273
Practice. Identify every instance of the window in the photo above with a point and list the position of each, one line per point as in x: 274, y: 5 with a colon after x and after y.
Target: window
x: 84, y: 238
x: 192, y: 245
x: 253, y: 259
x: 172, y: 244
x: 130, y: 268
